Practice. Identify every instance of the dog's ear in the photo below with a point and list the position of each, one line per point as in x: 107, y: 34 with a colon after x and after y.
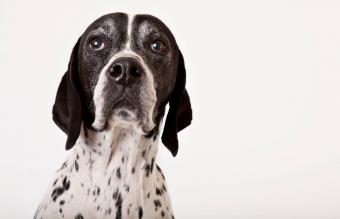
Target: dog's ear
x: 67, y: 109
x: 180, y: 113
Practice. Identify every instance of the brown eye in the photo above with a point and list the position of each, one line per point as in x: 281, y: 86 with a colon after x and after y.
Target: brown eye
x: 158, y: 46
x: 96, y: 44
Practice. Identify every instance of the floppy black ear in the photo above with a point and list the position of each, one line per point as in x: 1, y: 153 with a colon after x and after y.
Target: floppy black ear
x: 67, y: 109
x: 180, y: 113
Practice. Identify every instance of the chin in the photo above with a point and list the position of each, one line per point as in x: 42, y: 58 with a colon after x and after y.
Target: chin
x: 128, y: 118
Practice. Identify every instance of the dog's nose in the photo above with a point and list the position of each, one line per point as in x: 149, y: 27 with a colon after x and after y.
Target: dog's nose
x: 125, y: 71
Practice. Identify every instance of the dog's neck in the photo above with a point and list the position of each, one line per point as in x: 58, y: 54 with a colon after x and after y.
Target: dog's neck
x: 120, y: 151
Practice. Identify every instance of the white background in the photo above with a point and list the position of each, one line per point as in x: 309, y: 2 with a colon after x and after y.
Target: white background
x: 264, y: 80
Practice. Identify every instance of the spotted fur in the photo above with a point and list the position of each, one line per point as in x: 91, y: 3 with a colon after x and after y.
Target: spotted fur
x: 109, y: 174
x: 113, y: 126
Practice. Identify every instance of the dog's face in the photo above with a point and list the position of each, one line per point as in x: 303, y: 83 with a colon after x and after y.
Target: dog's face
x: 124, y: 69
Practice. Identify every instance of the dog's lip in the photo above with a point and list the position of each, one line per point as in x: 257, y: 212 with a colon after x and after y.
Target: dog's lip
x: 104, y: 125
x: 100, y: 129
x: 150, y: 133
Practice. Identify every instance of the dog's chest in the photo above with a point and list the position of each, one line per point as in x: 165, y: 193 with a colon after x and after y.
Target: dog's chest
x: 95, y: 184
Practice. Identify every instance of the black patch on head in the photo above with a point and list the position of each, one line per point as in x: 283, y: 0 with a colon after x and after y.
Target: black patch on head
x: 169, y: 72
x: 74, y: 100
x: 68, y: 108
x: 180, y: 113
x: 73, y: 104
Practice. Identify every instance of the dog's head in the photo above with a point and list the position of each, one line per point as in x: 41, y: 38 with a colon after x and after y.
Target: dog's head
x: 124, y: 68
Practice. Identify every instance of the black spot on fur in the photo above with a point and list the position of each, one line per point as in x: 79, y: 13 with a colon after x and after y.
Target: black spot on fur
x: 58, y: 191
x: 66, y: 184
x: 133, y: 170
x: 159, y: 191
x: 79, y: 216
x: 157, y: 203
x: 64, y: 165
x: 162, y: 213
x: 159, y: 170
x: 55, y: 182
x: 108, y: 211
x: 147, y: 170
x: 115, y: 194
x: 152, y: 161
x: 62, y: 202
x: 118, y: 173
x: 76, y: 165
x: 119, y: 202
x: 140, y: 212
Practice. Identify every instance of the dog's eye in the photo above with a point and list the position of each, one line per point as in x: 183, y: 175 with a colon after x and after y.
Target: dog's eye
x: 96, y: 44
x: 158, y: 46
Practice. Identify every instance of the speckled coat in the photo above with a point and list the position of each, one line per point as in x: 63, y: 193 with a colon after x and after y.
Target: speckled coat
x: 109, y: 176
x: 122, y: 72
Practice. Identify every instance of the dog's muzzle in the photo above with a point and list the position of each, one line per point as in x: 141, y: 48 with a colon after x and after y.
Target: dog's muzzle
x: 121, y: 91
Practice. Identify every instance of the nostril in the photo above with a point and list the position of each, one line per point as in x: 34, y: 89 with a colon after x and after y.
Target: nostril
x: 135, y: 72
x: 116, y: 70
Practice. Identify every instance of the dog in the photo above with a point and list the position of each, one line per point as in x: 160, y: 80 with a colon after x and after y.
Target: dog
x: 122, y: 73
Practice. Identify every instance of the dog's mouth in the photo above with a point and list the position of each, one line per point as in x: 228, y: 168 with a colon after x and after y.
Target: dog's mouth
x: 123, y: 111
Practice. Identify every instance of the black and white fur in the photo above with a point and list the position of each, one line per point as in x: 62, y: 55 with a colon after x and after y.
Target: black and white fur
x: 113, y: 118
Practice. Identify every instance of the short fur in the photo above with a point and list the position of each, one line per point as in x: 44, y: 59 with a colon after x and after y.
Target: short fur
x: 113, y: 128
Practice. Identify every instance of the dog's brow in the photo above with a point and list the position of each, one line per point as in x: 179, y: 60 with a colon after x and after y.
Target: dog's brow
x: 106, y: 27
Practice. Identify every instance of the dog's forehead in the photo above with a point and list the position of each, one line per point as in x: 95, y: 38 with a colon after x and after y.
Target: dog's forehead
x: 143, y: 24
x: 109, y: 23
